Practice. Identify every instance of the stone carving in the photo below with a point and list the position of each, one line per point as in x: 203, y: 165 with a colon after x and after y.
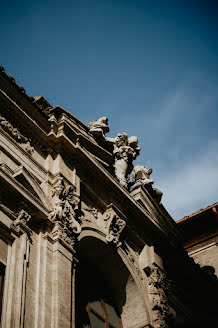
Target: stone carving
x: 15, y: 133
x: 19, y: 226
x: 113, y: 225
x: 65, y: 212
x: 125, y: 150
x: 116, y: 227
x: 159, y: 287
x: 90, y: 213
x: 141, y: 176
x: 133, y: 260
x: 99, y: 127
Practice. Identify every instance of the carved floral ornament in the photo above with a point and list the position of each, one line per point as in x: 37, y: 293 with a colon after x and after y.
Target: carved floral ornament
x: 159, y: 287
x: 16, y: 135
x: 65, y: 214
x: 125, y: 150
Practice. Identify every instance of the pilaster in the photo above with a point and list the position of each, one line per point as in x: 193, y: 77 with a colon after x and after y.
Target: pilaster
x: 15, y: 288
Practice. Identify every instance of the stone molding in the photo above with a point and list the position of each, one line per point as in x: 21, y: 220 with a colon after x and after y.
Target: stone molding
x: 16, y: 135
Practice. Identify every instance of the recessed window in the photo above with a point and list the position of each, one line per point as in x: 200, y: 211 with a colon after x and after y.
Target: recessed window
x: 94, y: 303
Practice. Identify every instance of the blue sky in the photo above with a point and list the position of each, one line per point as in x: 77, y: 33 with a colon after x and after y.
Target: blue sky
x: 150, y: 66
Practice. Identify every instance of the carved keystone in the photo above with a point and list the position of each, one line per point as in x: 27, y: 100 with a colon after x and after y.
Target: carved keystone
x: 113, y: 224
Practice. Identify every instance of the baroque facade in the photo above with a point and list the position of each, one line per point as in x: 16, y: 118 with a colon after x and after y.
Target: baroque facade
x: 84, y: 238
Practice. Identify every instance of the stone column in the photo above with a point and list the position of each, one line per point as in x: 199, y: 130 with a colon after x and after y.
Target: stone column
x: 15, y: 286
x: 62, y: 287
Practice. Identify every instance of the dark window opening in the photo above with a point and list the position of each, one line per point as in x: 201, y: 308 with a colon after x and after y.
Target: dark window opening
x: 94, y: 305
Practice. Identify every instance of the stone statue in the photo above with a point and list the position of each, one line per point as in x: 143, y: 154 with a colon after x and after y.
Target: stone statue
x: 141, y: 176
x: 65, y: 206
x: 99, y: 127
x: 125, y: 150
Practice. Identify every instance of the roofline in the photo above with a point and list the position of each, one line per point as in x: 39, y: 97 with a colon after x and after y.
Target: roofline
x: 194, y: 215
x: 33, y: 100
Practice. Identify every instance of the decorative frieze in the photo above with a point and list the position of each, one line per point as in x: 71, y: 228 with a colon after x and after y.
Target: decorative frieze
x: 16, y: 135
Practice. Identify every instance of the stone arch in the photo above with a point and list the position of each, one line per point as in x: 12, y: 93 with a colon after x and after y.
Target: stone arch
x: 119, y: 277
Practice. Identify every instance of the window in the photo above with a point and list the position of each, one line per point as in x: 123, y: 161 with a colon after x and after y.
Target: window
x: 102, y: 315
x: 94, y: 305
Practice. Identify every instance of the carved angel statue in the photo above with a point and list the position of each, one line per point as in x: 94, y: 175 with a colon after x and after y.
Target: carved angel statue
x: 125, y: 150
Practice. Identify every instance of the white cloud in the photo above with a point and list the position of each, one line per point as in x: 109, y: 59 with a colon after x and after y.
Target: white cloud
x: 193, y: 185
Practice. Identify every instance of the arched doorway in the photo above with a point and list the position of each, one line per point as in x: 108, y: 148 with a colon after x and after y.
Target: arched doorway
x: 103, y: 284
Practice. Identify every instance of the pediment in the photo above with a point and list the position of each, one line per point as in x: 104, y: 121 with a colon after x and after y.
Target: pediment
x: 30, y: 183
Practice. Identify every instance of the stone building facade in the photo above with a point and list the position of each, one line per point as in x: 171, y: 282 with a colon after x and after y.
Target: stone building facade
x: 84, y: 238
x: 200, y: 237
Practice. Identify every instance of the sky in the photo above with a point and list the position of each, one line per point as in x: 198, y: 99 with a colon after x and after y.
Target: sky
x: 151, y: 67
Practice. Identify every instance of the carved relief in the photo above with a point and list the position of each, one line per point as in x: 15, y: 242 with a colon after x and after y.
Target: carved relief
x: 65, y: 213
x: 159, y: 287
x: 15, y: 133
x: 133, y: 260
x: 113, y: 225
x: 19, y: 226
x: 89, y: 213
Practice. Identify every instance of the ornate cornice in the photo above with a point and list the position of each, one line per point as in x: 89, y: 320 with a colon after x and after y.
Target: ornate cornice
x: 16, y: 135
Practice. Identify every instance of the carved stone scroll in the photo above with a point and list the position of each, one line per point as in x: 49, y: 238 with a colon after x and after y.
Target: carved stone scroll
x: 113, y: 224
x: 16, y: 135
